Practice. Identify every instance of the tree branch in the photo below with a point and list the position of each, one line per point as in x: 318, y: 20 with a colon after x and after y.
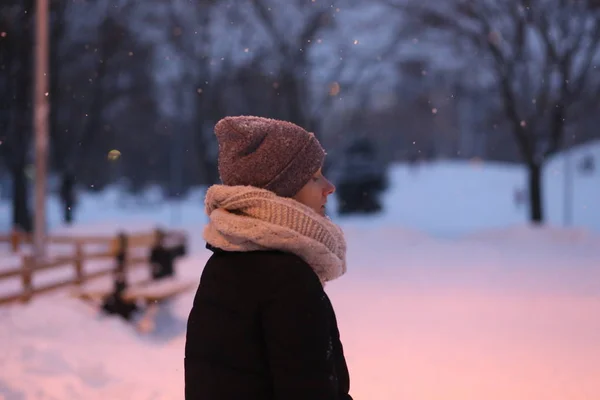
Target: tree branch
x: 265, y: 16
x: 587, y: 63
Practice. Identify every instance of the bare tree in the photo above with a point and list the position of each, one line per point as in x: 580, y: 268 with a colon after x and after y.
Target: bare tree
x: 291, y: 50
x: 16, y: 77
x: 80, y: 96
x: 541, y: 57
x: 189, y: 90
x: 59, y: 139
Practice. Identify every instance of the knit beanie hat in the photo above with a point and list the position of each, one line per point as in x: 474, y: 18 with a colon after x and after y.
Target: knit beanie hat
x: 266, y: 153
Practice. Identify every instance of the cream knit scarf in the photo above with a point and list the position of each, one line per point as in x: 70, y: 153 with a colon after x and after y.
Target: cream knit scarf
x: 245, y: 218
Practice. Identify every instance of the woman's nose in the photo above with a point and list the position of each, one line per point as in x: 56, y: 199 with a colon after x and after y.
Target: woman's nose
x: 329, y: 188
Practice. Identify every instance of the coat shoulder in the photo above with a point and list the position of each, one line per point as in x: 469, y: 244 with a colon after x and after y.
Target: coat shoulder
x: 271, y: 268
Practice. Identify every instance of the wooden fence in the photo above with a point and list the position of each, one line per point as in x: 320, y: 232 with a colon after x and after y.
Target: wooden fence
x: 135, y: 252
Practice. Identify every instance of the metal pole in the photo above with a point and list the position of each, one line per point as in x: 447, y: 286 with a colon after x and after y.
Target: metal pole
x: 41, y: 111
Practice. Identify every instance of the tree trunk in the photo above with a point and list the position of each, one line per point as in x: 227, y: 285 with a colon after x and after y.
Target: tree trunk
x: 67, y: 192
x: 68, y: 217
x: 536, y: 214
x: 291, y: 87
x: 21, y: 212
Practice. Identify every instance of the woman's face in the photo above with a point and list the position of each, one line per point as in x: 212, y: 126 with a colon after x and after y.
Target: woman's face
x: 314, y: 194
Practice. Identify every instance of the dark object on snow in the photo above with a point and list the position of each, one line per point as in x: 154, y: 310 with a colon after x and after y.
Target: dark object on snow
x: 258, y: 331
x: 362, y: 179
x: 114, y: 303
x: 162, y: 257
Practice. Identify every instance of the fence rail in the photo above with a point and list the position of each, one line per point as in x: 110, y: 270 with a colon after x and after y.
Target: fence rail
x: 121, y: 245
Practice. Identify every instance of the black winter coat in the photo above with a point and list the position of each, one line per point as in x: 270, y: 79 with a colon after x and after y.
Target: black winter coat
x: 262, y: 328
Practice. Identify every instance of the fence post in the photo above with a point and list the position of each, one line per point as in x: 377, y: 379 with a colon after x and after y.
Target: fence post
x: 26, y: 275
x: 121, y: 259
x: 14, y: 240
x: 78, y: 263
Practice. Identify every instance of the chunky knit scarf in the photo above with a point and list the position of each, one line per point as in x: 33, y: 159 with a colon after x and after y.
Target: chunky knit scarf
x: 245, y: 218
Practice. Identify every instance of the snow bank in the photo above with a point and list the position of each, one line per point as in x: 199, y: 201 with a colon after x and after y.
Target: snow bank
x: 420, y: 318
x: 58, y: 348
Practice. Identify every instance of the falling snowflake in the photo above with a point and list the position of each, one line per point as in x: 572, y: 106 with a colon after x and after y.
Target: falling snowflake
x: 334, y: 89
x: 114, y: 155
x: 356, y: 41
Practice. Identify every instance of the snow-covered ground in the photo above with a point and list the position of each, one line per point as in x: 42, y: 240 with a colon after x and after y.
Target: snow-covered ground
x: 449, y: 295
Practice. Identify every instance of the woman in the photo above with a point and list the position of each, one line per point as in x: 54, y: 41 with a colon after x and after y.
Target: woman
x: 262, y: 327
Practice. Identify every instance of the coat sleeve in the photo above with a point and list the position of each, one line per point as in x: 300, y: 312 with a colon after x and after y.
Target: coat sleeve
x: 296, y: 323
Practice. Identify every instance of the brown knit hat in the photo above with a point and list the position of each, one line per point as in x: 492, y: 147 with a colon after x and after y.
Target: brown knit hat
x: 266, y: 153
